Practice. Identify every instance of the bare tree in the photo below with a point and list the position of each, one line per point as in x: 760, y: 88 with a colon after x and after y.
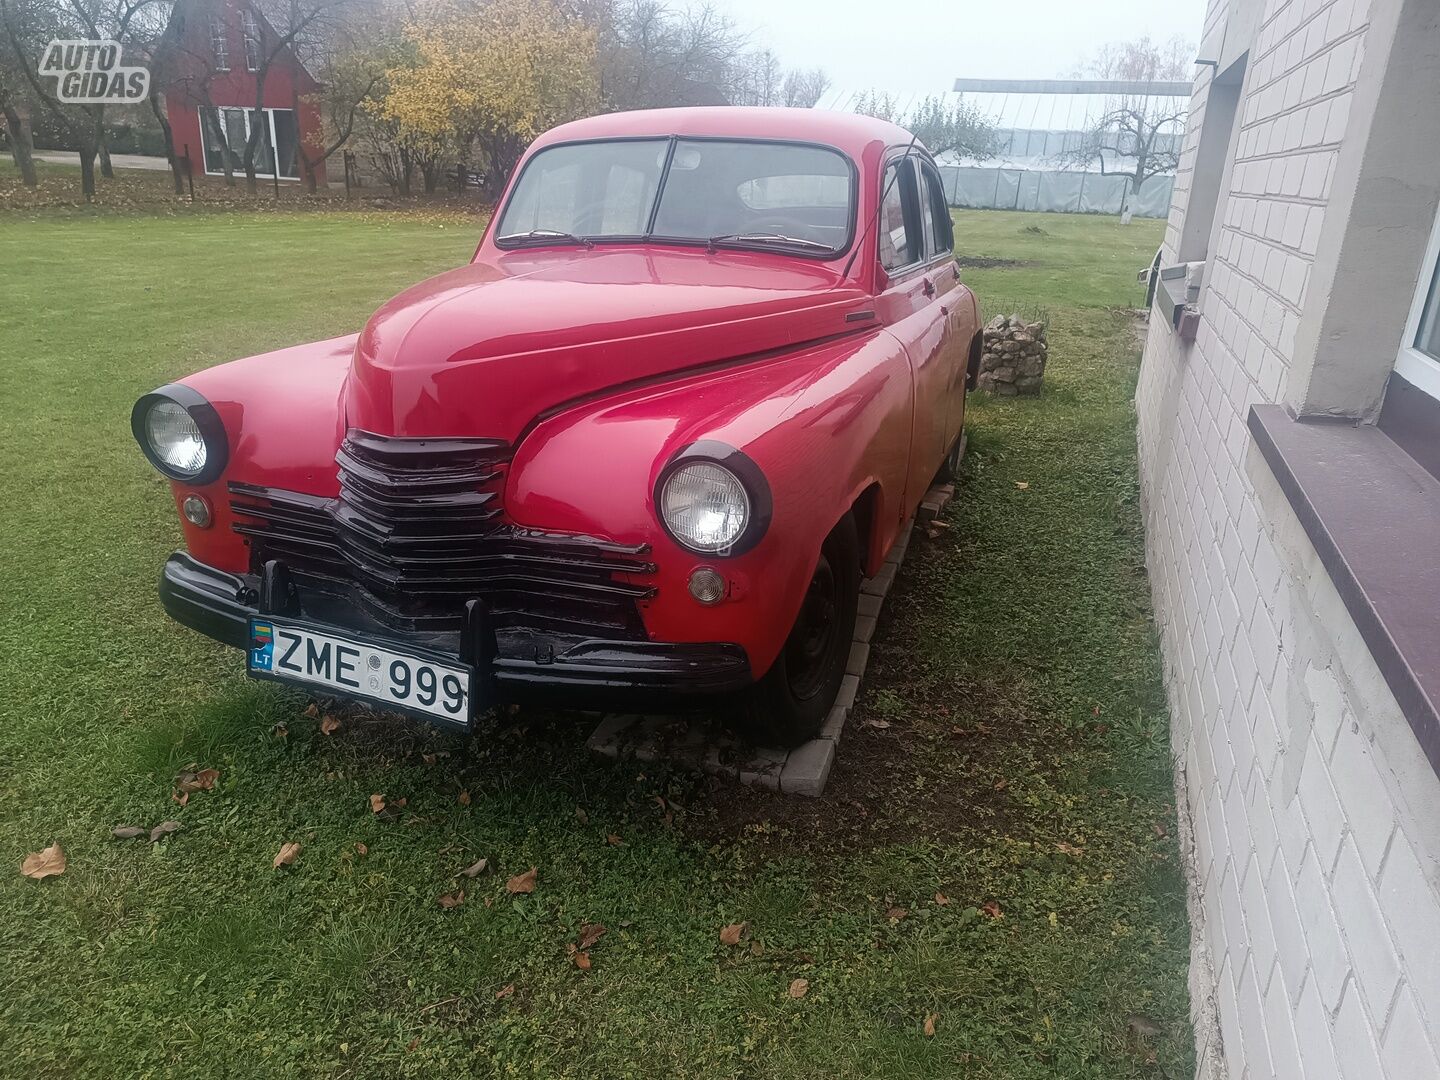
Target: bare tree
x: 17, y: 103
x: 804, y: 89
x: 757, y: 79
x: 277, y: 34
x: 653, y: 55
x: 1138, y: 135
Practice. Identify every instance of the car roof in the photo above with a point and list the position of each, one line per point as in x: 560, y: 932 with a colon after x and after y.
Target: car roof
x: 847, y: 132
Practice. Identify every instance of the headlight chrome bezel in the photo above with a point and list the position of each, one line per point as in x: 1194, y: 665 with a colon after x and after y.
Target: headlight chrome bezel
x: 207, y: 421
x: 752, y: 481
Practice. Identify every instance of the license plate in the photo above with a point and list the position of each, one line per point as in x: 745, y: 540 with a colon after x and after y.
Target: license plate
x: 403, y: 680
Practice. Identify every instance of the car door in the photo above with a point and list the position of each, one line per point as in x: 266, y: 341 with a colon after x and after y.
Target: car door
x: 909, y: 304
x: 953, y: 300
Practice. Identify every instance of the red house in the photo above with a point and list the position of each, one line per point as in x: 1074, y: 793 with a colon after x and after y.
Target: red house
x: 212, y: 53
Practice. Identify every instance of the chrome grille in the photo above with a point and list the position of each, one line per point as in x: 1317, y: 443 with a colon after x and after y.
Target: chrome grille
x: 417, y: 528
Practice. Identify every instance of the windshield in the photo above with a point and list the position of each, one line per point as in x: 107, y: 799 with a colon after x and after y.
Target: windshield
x: 787, y: 196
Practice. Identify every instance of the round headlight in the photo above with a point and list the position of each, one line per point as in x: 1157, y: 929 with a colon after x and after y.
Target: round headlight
x: 705, y: 506
x: 181, y: 434
x: 175, y: 438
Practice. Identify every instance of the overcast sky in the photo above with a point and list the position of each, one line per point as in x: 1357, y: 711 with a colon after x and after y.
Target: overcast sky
x: 924, y: 45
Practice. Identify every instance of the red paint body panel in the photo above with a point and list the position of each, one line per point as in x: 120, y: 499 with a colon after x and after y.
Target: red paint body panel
x: 598, y: 365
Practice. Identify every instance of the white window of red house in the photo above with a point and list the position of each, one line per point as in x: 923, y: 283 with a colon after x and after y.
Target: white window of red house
x: 219, y: 47
x: 250, y: 27
x: 1419, y: 359
x: 225, y: 132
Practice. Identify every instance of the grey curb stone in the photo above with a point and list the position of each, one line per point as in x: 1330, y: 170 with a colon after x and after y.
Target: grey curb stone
x: 803, y: 770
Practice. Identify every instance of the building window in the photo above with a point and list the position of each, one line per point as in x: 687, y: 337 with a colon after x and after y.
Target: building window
x: 1214, y: 158
x: 224, y: 132
x: 1419, y: 359
x: 219, y: 47
x: 250, y: 27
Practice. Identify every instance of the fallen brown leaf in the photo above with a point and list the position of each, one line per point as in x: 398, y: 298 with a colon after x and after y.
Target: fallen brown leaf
x: 377, y: 803
x: 204, y: 780
x: 287, y: 854
x: 180, y: 797
x: 414, y: 1043
x: 451, y: 899
x: 128, y: 832
x: 42, y: 864
x: 732, y: 934
x: 992, y: 909
x: 1022, y: 485
x: 361, y: 850
x: 165, y: 828
x: 312, y: 711
x: 613, y: 840
x: 329, y: 725
x: 428, y: 759
x: 1069, y: 849
x: 895, y: 914
x: 941, y: 899
x: 757, y: 947
x: 590, y: 933
x: 505, y: 991
x: 280, y: 731
x: 464, y: 798
x: 474, y: 869
x: 522, y: 883
x: 582, y: 960
x: 1160, y: 831
x: 799, y: 988
x: 930, y: 1019
x: 876, y: 722
x: 581, y: 816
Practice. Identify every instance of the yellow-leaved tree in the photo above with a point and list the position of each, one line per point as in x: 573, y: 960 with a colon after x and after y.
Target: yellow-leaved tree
x: 498, y: 72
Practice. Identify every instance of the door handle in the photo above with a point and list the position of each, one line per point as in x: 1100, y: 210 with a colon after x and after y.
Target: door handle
x: 929, y: 287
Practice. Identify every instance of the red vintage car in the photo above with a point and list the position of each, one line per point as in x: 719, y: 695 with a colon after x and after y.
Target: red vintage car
x: 701, y: 369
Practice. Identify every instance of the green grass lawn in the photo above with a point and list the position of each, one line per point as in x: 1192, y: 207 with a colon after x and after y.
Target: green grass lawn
x: 1009, y: 754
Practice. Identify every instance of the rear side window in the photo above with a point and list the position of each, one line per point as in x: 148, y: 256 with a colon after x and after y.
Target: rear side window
x: 939, y: 235
x: 899, y: 246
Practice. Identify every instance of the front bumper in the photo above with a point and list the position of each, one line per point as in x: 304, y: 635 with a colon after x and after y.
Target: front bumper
x: 525, y: 666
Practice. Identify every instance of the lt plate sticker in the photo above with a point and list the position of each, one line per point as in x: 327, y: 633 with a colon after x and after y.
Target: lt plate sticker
x: 298, y: 654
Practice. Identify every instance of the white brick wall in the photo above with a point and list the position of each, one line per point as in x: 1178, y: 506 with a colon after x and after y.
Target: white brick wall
x: 1316, y: 818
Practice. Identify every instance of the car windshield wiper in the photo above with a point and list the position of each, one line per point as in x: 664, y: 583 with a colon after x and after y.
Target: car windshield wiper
x: 546, y: 236
x: 765, y: 238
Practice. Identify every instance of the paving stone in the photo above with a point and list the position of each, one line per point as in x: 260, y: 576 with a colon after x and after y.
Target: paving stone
x: 808, y: 768
x: 859, y: 657
x: 869, y: 605
x: 849, y: 687
x: 880, y: 584
x: 864, y: 628
x: 835, y: 724
x: 605, y: 739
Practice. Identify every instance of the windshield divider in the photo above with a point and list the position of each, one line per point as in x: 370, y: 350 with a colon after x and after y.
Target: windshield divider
x: 660, y: 187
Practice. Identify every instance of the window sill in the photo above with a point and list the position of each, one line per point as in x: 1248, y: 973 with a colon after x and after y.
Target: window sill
x: 1373, y: 515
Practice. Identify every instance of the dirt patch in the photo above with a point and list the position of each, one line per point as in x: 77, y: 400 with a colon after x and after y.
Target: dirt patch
x: 986, y: 262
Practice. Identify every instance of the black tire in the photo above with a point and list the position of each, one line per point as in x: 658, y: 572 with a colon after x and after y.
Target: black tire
x: 788, y: 706
x: 950, y: 467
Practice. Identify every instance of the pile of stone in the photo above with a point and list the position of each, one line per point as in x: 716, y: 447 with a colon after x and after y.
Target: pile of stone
x: 1012, y: 358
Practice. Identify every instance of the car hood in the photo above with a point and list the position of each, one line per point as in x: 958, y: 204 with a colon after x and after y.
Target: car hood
x: 482, y: 350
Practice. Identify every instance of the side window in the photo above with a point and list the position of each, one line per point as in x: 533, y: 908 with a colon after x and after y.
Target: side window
x: 899, y: 244
x: 939, y: 236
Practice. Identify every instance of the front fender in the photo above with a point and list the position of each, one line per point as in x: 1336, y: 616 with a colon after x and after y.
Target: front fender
x: 284, y: 420
x: 824, y: 425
